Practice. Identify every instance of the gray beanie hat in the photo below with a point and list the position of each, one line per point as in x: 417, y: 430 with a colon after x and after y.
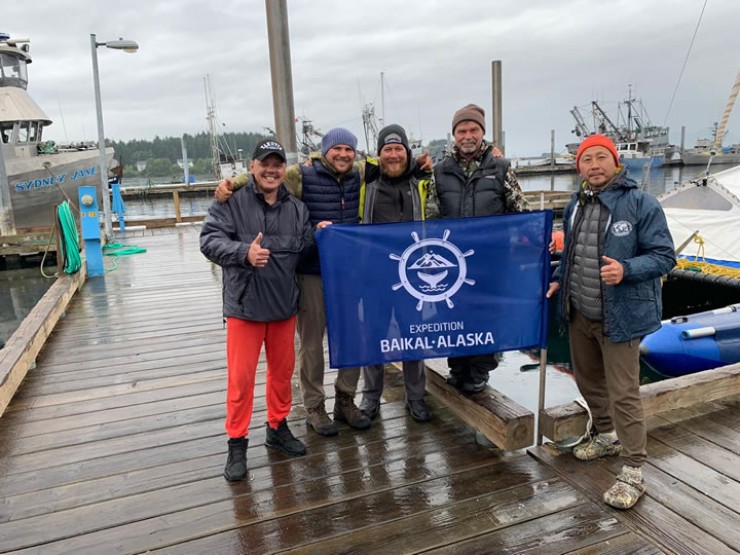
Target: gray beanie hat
x: 338, y: 136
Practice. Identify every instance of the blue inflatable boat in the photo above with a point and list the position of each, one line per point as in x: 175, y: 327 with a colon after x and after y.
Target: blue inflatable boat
x: 688, y: 344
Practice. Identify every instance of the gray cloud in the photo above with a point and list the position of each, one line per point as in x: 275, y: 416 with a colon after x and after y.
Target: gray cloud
x: 436, y: 57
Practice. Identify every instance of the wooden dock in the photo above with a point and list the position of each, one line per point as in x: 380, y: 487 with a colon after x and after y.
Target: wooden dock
x: 114, y: 443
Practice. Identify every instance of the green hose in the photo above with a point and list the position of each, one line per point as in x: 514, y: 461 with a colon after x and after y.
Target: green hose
x: 116, y: 250
x: 69, y: 239
x: 119, y: 249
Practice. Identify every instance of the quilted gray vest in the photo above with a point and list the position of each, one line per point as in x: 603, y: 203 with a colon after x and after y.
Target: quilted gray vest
x: 584, y: 283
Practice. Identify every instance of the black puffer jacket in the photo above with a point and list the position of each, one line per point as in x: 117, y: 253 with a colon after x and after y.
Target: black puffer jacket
x: 483, y: 194
x: 266, y: 294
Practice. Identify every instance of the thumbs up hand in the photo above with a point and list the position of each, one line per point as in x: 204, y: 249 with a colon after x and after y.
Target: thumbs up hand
x: 256, y: 255
x: 612, y: 271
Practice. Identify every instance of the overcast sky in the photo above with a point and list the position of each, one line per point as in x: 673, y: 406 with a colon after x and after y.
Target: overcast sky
x: 435, y: 55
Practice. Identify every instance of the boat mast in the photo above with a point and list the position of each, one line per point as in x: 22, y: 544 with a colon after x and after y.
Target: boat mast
x: 212, y: 130
x: 581, y: 129
x: 720, y: 132
x: 382, y: 99
x: 605, y: 125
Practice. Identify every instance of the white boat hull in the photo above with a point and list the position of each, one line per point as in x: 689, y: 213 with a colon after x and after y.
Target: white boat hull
x: 39, y: 183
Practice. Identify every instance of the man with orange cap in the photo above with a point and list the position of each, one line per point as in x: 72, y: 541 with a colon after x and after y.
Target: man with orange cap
x: 617, y: 247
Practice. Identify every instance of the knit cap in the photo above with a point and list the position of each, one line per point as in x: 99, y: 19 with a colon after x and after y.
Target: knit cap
x: 338, y: 136
x: 391, y: 134
x: 471, y: 112
x: 597, y: 140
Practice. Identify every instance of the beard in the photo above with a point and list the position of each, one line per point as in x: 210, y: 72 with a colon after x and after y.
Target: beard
x: 392, y: 170
x: 468, y: 147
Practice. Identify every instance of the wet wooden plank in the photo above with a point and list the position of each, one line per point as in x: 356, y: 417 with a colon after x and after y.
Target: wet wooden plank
x: 626, y: 544
x: 134, y: 451
x: 721, y: 427
x: 668, y: 513
x: 569, y: 420
x: 717, y: 494
x: 83, y: 488
x: 559, y: 533
x: 21, y: 350
x: 503, y: 421
x: 163, y: 517
x: 417, y: 517
x: 685, y: 441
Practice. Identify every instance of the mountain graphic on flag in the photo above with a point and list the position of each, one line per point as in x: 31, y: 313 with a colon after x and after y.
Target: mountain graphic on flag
x: 430, y: 261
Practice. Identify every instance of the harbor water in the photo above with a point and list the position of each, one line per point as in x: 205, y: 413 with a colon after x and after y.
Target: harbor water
x: 516, y: 376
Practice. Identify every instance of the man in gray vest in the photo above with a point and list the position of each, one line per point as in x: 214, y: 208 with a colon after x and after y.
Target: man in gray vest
x: 473, y: 179
x: 617, y: 247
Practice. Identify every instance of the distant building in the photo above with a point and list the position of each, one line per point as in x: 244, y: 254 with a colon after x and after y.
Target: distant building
x: 190, y: 164
x: 141, y: 166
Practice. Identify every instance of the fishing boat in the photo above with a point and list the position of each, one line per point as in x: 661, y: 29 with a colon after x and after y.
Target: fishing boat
x: 639, y: 141
x: 40, y: 174
x: 634, y: 157
x: 703, y: 216
x: 687, y: 344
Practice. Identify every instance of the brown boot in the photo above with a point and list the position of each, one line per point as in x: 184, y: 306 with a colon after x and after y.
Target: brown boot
x: 320, y: 421
x: 346, y: 411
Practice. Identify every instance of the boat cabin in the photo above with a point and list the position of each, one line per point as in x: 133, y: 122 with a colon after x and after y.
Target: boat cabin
x: 21, y: 119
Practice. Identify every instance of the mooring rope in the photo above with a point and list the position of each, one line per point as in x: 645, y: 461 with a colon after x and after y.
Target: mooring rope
x: 700, y: 263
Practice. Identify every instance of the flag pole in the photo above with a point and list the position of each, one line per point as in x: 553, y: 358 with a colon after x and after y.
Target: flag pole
x: 541, y: 401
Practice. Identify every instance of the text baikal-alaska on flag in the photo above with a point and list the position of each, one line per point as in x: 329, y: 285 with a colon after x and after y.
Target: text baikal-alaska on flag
x: 437, y: 288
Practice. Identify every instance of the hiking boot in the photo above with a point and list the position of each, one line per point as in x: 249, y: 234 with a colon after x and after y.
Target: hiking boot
x: 236, y: 463
x: 320, y: 421
x: 282, y: 438
x: 455, y: 380
x: 627, y: 490
x: 369, y: 408
x: 598, y: 446
x: 418, y: 410
x: 346, y: 411
x: 476, y: 379
x: 474, y: 386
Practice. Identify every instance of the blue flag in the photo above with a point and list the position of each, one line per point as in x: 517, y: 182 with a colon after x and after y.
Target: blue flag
x: 436, y: 288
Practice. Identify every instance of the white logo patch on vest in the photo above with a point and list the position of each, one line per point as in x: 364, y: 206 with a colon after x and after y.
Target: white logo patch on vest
x: 621, y: 229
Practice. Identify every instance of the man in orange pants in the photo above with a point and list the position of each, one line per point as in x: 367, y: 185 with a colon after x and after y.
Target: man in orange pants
x: 258, y: 238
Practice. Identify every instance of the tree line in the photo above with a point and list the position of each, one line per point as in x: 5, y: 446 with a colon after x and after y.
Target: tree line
x: 161, y: 154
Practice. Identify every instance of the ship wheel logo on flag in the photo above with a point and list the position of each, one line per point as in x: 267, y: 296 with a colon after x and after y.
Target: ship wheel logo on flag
x: 432, y: 270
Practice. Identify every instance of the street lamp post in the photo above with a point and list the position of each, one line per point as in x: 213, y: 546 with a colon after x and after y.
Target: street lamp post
x: 126, y: 46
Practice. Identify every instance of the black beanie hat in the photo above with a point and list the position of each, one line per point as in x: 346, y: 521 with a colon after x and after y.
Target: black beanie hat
x: 390, y: 134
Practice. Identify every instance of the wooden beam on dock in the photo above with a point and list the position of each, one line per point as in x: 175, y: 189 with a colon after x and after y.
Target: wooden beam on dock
x: 548, y: 200
x: 21, y: 350
x: 569, y: 420
x: 504, y: 422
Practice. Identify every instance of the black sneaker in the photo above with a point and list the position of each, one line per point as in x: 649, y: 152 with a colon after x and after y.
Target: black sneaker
x: 236, y: 463
x: 283, y: 439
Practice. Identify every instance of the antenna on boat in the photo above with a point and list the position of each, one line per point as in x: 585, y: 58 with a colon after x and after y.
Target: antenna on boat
x: 61, y: 115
